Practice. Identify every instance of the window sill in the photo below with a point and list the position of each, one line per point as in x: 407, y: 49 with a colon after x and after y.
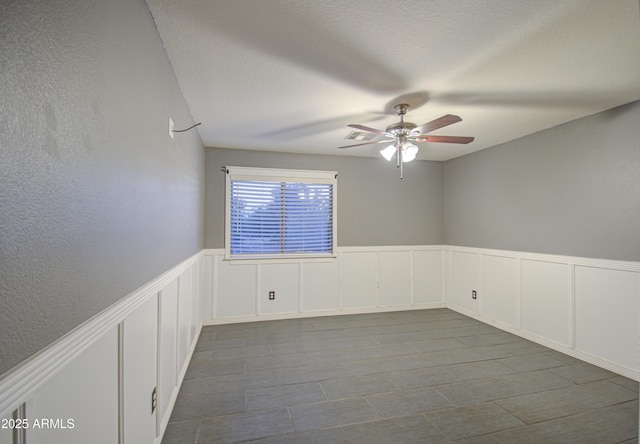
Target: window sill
x: 282, y: 259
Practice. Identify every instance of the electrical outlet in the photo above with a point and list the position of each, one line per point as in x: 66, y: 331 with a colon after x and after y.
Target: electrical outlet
x: 474, y: 295
x: 154, y: 399
x: 170, y: 127
x: 272, y: 295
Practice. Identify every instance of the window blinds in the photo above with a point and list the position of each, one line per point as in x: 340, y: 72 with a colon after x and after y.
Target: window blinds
x: 273, y: 216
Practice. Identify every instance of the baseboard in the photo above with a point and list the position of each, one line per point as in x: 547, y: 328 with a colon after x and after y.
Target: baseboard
x: 315, y: 314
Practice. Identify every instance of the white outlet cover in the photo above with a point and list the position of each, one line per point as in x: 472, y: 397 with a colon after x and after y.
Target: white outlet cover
x: 170, y: 127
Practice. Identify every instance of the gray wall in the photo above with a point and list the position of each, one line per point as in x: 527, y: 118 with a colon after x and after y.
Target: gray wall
x: 95, y: 198
x: 571, y: 190
x: 375, y: 207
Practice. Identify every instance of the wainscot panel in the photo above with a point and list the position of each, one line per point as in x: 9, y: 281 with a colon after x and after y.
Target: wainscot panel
x: 500, y: 289
x: 428, y: 276
x: 607, y: 313
x: 395, y: 277
x: 196, y: 301
x: 235, y: 288
x: 6, y: 434
x: 82, y: 399
x: 167, y: 351
x: 545, y: 300
x: 320, y: 286
x: 279, y: 288
x: 465, y: 279
x: 184, y: 319
x: 359, y: 279
x: 140, y: 362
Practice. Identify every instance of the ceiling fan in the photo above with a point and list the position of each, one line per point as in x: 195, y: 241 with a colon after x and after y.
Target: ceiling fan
x: 402, y: 134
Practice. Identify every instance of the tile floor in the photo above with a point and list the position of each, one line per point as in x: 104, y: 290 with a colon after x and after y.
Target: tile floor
x: 428, y: 376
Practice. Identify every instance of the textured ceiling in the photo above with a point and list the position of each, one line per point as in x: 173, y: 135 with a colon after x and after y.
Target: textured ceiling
x: 288, y: 76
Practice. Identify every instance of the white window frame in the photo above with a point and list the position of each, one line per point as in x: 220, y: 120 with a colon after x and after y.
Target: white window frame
x: 279, y: 175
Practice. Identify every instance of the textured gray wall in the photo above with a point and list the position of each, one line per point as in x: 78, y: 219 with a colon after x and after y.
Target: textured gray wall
x: 375, y: 207
x: 571, y: 190
x: 95, y: 198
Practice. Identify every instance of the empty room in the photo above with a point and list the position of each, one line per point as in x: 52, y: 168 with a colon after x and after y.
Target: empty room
x: 278, y: 221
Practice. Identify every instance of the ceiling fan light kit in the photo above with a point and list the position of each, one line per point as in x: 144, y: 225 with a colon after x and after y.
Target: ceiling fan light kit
x: 389, y: 152
x: 404, y: 133
x: 406, y: 150
x: 409, y: 152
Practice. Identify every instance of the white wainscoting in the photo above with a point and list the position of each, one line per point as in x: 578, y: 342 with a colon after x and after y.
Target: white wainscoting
x: 101, y: 374
x: 95, y: 384
x: 358, y: 280
x: 587, y: 308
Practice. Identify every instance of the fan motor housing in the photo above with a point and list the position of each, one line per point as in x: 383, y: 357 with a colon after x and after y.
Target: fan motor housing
x: 401, y: 128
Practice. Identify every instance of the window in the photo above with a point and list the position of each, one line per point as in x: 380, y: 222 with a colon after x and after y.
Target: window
x: 274, y: 213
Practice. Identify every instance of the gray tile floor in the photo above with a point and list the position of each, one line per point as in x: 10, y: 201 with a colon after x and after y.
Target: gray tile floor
x: 428, y: 376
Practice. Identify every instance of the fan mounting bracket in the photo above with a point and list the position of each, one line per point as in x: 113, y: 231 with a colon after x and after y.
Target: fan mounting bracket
x: 401, y: 128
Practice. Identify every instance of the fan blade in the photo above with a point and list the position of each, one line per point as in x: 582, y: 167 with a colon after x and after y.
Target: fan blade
x: 440, y: 122
x: 444, y: 139
x: 366, y: 143
x: 366, y: 128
